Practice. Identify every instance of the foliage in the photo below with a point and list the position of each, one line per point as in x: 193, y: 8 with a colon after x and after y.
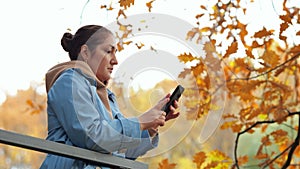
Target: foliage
x: 23, y: 113
x: 261, y: 75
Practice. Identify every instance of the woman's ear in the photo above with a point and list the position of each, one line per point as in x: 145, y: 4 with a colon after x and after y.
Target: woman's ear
x: 84, y: 52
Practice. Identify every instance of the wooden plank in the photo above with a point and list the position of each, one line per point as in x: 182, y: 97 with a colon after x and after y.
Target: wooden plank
x: 46, y: 146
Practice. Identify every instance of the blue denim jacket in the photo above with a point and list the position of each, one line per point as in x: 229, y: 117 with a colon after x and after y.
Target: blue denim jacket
x: 77, y: 117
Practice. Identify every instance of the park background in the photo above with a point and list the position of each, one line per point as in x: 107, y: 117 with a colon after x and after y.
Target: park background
x: 258, y: 54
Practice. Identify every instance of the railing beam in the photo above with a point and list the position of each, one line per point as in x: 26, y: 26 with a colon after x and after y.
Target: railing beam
x: 50, y: 147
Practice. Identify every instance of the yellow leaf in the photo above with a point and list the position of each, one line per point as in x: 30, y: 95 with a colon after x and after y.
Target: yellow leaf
x: 262, y: 116
x: 218, y: 156
x: 211, y: 165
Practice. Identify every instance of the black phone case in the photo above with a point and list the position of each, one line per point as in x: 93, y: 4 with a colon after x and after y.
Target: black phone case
x: 175, y: 96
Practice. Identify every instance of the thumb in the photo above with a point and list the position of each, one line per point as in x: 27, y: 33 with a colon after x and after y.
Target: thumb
x: 162, y: 102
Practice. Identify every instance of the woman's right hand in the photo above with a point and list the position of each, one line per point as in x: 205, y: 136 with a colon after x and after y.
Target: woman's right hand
x: 154, y: 117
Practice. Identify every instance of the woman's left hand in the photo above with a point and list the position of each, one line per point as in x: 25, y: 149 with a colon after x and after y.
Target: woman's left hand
x: 173, y: 114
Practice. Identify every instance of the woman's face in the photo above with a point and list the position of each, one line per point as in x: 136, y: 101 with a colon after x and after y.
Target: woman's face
x: 103, y: 58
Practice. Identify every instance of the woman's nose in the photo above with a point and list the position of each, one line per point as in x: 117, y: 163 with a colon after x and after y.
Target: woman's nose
x: 114, y: 60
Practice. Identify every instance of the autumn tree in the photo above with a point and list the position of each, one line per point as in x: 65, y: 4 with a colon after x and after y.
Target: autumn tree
x: 256, y: 69
x: 23, y: 113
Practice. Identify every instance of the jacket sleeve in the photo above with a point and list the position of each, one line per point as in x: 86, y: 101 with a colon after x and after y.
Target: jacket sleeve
x: 147, y: 143
x: 72, y: 99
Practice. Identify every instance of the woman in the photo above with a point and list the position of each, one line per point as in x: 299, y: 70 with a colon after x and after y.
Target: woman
x: 82, y: 112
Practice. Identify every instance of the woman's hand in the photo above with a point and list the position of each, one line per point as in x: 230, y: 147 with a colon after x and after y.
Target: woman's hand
x: 154, y: 117
x: 172, y: 114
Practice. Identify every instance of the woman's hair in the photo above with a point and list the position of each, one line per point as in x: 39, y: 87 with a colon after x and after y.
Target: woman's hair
x: 84, y: 35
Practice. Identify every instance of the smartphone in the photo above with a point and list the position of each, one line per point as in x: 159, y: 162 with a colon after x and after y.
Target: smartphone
x: 175, y: 96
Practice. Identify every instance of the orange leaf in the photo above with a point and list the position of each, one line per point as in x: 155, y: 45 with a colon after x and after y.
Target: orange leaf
x: 30, y: 103
x: 243, y: 160
x: 264, y: 128
x: 283, y: 27
x: 231, y: 49
x: 192, y: 33
x: 139, y: 46
x: 126, y: 3
x: 295, y: 49
x: 186, y: 57
x: 211, y: 165
x: 164, y: 164
x: 286, y: 18
x: 263, y: 33
x: 280, y: 136
x: 120, y: 46
x: 203, y: 7
x: 199, y: 16
x: 297, y: 151
x: 199, y: 159
x: 243, y: 29
x: 233, y: 125
x: 266, y: 140
x: 249, y: 53
x: 198, y: 69
x: 271, y: 59
x: 149, y: 5
x: 121, y: 12
x: 103, y: 6
x: 255, y: 44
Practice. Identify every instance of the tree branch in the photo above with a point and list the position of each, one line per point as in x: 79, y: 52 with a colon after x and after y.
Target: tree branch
x: 266, y: 72
x: 292, y: 147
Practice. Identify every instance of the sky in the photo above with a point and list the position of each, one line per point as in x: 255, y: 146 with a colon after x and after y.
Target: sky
x: 31, y: 31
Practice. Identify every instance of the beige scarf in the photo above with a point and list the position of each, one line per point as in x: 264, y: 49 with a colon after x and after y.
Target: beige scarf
x: 56, y: 71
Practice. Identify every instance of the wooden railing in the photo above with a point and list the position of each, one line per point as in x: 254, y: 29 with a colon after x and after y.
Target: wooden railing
x: 45, y: 146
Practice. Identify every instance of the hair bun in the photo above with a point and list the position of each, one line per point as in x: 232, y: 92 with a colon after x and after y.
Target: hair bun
x: 66, y: 41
